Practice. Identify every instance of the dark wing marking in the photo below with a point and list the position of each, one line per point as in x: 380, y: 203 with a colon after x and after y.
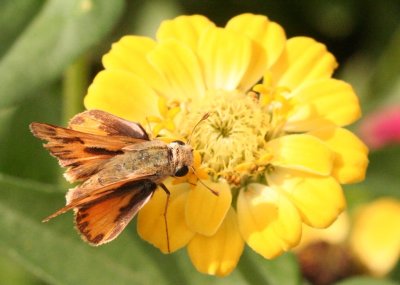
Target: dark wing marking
x: 82, y: 152
x: 103, y: 123
x: 102, y: 220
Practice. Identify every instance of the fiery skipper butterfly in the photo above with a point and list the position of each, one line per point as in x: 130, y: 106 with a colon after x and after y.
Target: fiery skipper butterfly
x: 118, y: 166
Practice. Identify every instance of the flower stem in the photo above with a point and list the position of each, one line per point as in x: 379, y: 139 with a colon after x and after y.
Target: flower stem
x: 75, y: 83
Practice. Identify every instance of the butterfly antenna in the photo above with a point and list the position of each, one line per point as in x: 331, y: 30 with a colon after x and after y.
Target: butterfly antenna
x: 202, y: 183
x: 205, y: 117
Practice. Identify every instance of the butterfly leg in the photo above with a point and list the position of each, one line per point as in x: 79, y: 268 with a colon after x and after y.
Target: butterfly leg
x: 165, y: 213
x: 202, y: 183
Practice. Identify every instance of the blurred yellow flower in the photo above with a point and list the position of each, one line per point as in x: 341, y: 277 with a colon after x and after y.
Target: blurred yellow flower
x: 274, y: 146
x: 365, y: 243
x: 375, y: 236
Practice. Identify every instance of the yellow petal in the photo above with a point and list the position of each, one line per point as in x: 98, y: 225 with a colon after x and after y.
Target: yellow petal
x: 318, y: 199
x: 151, y: 224
x: 259, y: 28
x: 220, y: 253
x: 204, y: 210
x: 351, y: 154
x: 269, y: 223
x: 303, y: 60
x: 256, y: 68
x: 375, y: 238
x: 130, y: 54
x: 123, y: 94
x: 180, y: 68
x: 225, y: 57
x: 320, y: 102
x: 186, y: 29
x: 301, y: 152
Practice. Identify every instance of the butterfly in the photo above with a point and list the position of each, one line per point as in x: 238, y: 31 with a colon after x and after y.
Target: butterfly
x: 119, y: 168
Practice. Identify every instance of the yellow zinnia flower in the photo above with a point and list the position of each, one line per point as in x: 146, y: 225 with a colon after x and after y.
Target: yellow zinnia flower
x: 273, y: 145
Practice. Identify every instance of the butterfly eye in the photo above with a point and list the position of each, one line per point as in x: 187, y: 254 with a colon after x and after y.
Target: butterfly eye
x: 182, y: 171
x: 179, y: 142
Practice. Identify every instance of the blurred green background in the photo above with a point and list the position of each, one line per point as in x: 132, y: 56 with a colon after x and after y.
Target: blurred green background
x: 50, y: 51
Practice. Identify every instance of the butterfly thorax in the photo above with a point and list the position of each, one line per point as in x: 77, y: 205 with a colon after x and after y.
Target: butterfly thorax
x: 154, y: 159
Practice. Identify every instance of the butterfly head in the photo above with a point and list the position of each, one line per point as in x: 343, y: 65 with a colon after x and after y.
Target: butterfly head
x: 182, y: 157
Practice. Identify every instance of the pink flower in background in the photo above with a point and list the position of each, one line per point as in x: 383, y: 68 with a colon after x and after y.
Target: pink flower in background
x: 381, y: 128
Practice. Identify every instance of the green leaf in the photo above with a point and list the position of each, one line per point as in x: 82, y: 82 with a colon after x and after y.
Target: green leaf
x: 14, y: 16
x: 152, y: 13
x: 12, y: 272
x: 257, y: 270
x: 366, y: 281
x: 54, y: 252
x: 380, y: 180
x: 60, y: 32
x: 381, y: 171
x: 387, y: 70
x: 22, y: 154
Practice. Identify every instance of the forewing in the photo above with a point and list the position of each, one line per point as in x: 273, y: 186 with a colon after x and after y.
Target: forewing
x: 104, y: 219
x: 82, y: 152
x: 103, y: 123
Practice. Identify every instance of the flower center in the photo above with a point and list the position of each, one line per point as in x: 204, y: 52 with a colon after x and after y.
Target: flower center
x: 234, y: 134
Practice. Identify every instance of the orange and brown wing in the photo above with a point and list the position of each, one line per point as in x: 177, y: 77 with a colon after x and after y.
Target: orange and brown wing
x: 77, y: 197
x: 102, y: 220
x: 102, y: 123
x: 83, y: 153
